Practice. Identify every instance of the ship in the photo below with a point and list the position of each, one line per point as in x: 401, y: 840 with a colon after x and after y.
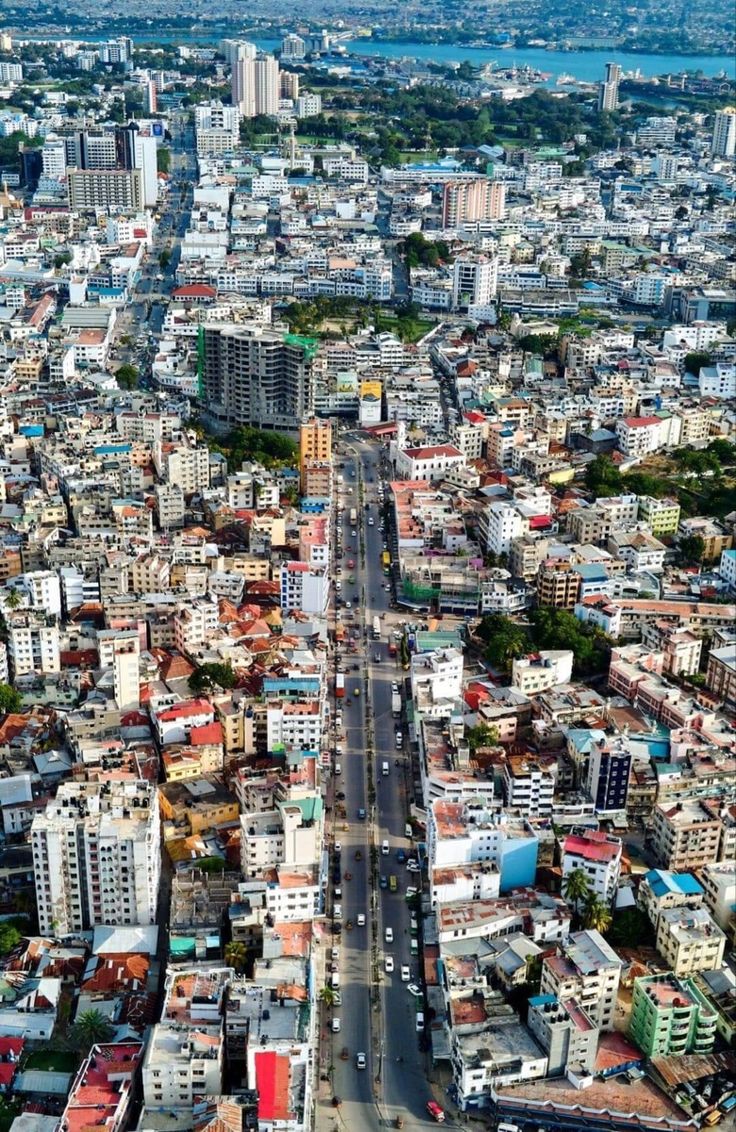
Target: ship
x: 565, y: 79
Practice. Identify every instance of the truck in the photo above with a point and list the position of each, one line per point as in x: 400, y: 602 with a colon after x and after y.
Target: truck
x: 353, y: 516
x: 340, y: 685
x: 376, y: 628
x: 396, y: 703
x: 392, y: 647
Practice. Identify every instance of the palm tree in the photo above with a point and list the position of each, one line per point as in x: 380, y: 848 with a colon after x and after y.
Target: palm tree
x: 576, y: 889
x: 236, y: 955
x: 14, y: 599
x: 91, y: 1028
x: 327, y: 995
x: 597, y: 915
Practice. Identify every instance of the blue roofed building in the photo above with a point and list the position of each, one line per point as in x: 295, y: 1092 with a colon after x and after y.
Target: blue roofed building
x: 660, y: 890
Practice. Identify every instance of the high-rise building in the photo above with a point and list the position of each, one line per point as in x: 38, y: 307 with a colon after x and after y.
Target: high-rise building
x: 267, y: 85
x: 289, y: 85
x: 53, y: 157
x: 234, y: 49
x: 105, y: 188
x: 151, y: 100
x: 315, y: 451
x: 243, y: 85
x: 609, y: 771
x: 472, y: 200
x: 120, y: 652
x: 97, y: 856
x: 145, y: 159
x: 475, y: 279
x: 253, y: 376
x: 293, y: 47
x: 724, y: 133
x: 608, y: 90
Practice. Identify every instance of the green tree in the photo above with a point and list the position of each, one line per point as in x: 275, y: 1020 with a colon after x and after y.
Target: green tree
x: 127, y: 376
x: 236, y: 955
x: 62, y: 260
x: 163, y: 159
x: 695, y: 361
x: 14, y: 599
x: 327, y: 995
x: 10, y: 700
x: 164, y: 259
x: 10, y: 936
x: 505, y: 640
x: 630, y: 928
x: 211, y: 676
x: 91, y: 1028
x: 597, y: 916
x: 576, y: 890
x: 482, y: 735
x: 690, y: 550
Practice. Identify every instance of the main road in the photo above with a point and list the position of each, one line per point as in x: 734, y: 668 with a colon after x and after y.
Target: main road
x: 378, y: 1015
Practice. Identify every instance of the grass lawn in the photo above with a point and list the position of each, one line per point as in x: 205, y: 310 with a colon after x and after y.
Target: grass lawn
x: 58, y: 1060
x: 414, y: 157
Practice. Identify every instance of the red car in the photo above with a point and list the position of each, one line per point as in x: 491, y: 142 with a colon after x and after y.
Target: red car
x: 436, y: 1112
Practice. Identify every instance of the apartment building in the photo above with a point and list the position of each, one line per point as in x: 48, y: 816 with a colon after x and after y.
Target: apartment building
x: 608, y: 775
x: 96, y: 856
x: 670, y: 1016
x: 690, y: 941
x: 528, y: 786
x: 638, y: 436
x: 566, y: 1033
x: 90, y: 189
x: 315, y: 456
x: 540, y: 671
x: 119, y: 650
x: 598, y: 854
x: 33, y: 643
x: 686, y: 835
x: 460, y: 833
x: 661, y: 515
x: 558, y: 584
x: 719, y: 888
x: 289, y: 835
x: 305, y: 587
x: 185, y: 1054
x: 660, y: 891
x: 499, y: 525
x: 586, y: 968
x: 480, y: 199
x: 254, y: 376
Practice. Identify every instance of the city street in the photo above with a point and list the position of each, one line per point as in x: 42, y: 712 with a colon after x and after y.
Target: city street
x: 395, y: 1078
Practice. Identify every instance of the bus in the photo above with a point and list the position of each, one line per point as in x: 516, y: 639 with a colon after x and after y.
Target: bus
x: 353, y: 516
x: 376, y: 628
x: 385, y: 561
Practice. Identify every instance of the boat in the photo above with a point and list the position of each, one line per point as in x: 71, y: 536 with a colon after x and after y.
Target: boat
x: 565, y: 79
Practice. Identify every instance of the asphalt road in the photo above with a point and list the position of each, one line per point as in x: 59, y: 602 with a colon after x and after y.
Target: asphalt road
x: 388, y: 1087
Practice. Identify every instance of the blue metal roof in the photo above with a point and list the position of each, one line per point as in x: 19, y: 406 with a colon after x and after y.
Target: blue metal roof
x: 662, y: 882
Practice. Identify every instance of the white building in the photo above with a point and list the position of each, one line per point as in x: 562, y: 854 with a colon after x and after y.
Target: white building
x: 430, y: 463
x: 33, y: 644
x: 542, y: 670
x: 723, y: 143
x: 475, y: 280
x: 146, y: 160
x: 588, y: 969
x: 96, y: 856
x: 289, y: 835
x: 718, y: 381
x: 719, y: 884
x: 638, y: 436
x: 598, y: 854
x: 689, y: 941
x: 504, y: 523
x: 120, y: 651
x: 304, y: 587
x: 528, y: 786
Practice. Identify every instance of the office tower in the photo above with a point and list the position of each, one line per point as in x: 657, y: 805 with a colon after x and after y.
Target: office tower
x: 96, y: 856
x: 31, y: 165
x: 105, y: 188
x: 472, y: 200
x: 289, y: 85
x: 267, y: 85
x: 234, y: 49
x: 253, y: 376
x: 145, y: 158
x: 293, y: 47
x: 608, y: 91
x: 724, y: 133
x: 53, y: 157
x: 151, y: 101
x: 474, y: 280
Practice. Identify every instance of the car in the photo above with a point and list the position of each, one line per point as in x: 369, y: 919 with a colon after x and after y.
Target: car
x: 338, y: 847
x: 385, y: 848
x: 405, y: 973
x: 411, y: 892
x: 415, y: 990
x: 413, y: 866
x: 361, y: 814
x: 348, y: 605
x: 361, y: 919
x: 337, y: 893
x: 394, y: 686
x: 353, y: 534
x: 400, y: 855
x: 383, y: 881
x: 335, y: 954
x: 336, y: 1025
x: 399, y: 741
x: 377, y: 657
x: 336, y: 876
x: 337, y: 912
x: 419, y: 1022
x: 336, y: 998
x: 389, y: 935
x: 335, y: 980
x: 360, y: 1061
x: 371, y: 521
x: 436, y: 1112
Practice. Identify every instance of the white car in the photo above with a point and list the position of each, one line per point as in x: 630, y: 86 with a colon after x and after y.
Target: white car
x: 361, y: 919
x: 335, y: 954
x: 336, y: 1025
x: 389, y: 962
x: 389, y: 934
x: 385, y: 848
x: 405, y: 973
x: 413, y: 867
x: 354, y: 534
x: 338, y: 844
x: 415, y: 990
x: 360, y: 1061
